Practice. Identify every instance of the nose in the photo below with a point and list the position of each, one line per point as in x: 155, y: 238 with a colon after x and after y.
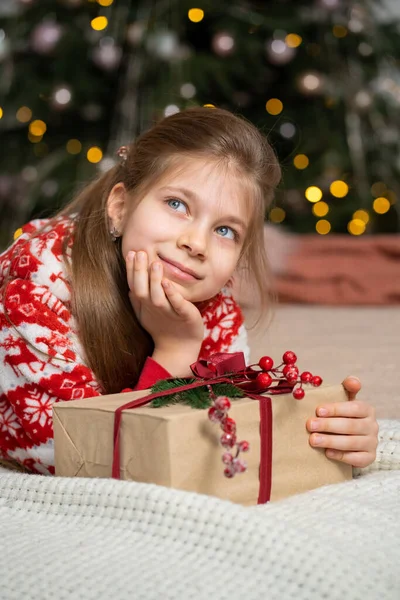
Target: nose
x: 194, y: 241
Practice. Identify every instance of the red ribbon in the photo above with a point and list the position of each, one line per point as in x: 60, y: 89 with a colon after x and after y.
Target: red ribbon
x: 220, y: 368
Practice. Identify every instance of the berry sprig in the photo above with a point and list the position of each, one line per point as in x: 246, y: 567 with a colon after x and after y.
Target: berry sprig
x: 290, y: 372
x: 218, y: 413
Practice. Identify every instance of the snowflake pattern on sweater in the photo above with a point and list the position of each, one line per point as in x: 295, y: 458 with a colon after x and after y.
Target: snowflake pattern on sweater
x: 41, y: 359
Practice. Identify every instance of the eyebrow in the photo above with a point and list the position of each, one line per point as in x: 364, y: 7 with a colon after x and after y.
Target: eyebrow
x: 193, y: 196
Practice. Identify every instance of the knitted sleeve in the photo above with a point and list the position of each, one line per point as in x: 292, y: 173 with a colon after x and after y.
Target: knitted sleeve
x: 40, y: 356
x: 388, y: 451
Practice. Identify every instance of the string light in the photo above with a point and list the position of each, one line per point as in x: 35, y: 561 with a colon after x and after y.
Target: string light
x: 1, y: 113
x: 339, y: 189
x: 37, y: 128
x: 356, y: 227
x: 293, y: 40
x: 105, y: 2
x: 340, y: 31
x: 94, y: 154
x: 313, y: 193
x: 274, y: 106
x: 381, y: 205
x: 320, y: 209
x: 196, y: 15
x: 277, y: 215
x: 209, y: 105
x: 171, y: 109
x: 322, y: 227
x: 99, y: 23
x: 24, y: 114
x: 301, y: 161
x: 361, y: 215
x: 74, y: 146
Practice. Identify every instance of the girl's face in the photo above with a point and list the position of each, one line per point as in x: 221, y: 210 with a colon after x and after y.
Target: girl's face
x: 194, y: 221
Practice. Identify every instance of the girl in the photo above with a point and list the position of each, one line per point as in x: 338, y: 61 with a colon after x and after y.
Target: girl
x: 129, y: 283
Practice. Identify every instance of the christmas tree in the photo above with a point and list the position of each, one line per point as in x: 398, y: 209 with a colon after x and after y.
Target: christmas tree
x: 79, y: 78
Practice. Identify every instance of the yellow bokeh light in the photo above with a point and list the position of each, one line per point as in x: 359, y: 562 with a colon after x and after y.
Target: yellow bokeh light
x: 277, y: 215
x: 1, y: 113
x: 320, y: 209
x: 322, y: 227
x: 18, y: 232
x: 274, y: 106
x: 209, y: 105
x: 378, y: 189
x: 74, y: 146
x: 94, y: 154
x: 24, y: 114
x: 105, y: 2
x: 196, y: 15
x: 37, y: 128
x: 361, y: 215
x: 293, y: 40
x: 34, y: 138
x: 301, y: 161
x: 339, y: 189
x: 381, y: 205
x: 356, y: 227
x: 313, y: 193
x: 340, y: 31
x: 99, y: 23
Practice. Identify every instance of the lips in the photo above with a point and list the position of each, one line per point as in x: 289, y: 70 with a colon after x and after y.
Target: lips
x: 180, y: 267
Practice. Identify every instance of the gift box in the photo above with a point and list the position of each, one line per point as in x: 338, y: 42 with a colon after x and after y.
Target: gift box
x: 178, y: 446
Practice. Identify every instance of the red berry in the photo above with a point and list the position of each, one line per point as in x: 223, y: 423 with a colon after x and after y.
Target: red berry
x: 239, y: 465
x: 264, y: 380
x: 298, y: 393
x: 243, y: 446
x: 291, y: 374
x: 288, y: 368
x: 227, y: 458
x: 266, y: 363
x: 289, y: 357
x: 316, y: 380
x: 228, y: 440
x: 306, y: 377
x: 228, y: 425
x: 229, y: 472
x: 215, y: 415
x: 222, y: 403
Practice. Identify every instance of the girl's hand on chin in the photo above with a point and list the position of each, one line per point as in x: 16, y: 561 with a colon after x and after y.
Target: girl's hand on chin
x: 161, y: 309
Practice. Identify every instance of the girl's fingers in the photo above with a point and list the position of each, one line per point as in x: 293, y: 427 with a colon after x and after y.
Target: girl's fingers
x: 140, y: 276
x: 356, y: 459
x: 341, y: 425
x: 356, y: 409
x: 176, y: 300
x: 341, y: 442
x: 352, y: 385
x: 157, y: 294
x: 130, y: 262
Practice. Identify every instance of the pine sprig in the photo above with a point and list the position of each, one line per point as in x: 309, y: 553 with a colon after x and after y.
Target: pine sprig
x: 198, y: 398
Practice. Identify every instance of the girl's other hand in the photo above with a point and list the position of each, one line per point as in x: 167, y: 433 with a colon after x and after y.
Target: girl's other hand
x: 172, y: 321
x: 352, y: 428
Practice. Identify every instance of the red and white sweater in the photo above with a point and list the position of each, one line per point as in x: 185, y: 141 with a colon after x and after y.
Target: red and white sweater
x: 41, y: 359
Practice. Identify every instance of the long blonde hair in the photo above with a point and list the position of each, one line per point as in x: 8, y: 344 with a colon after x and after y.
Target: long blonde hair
x: 115, y: 343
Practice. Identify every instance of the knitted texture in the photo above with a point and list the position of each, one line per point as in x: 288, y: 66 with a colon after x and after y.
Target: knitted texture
x: 97, y: 539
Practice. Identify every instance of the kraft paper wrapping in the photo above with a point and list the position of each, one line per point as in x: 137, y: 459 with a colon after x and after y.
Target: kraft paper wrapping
x: 177, y: 446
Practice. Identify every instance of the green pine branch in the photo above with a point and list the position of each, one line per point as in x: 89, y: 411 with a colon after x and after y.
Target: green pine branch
x: 198, y: 398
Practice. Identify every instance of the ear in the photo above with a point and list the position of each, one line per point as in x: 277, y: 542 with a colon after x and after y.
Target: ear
x: 117, y: 206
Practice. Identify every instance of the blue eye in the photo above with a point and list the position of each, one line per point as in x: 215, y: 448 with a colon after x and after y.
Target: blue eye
x: 227, y: 232
x: 176, y: 205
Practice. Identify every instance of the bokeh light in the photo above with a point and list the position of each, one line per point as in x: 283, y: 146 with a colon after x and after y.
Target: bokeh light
x: 24, y: 114
x: 339, y: 189
x: 94, y: 154
x: 301, y: 161
x: 277, y: 215
x: 99, y: 23
x: 196, y: 15
x: 320, y: 209
x: 322, y: 227
x: 313, y: 193
x: 356, y: 227
x: 274, y: 106
x: 381, y: 205
x: 74, y: 146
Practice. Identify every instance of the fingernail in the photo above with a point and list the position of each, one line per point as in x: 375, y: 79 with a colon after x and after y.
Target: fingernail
x: 314, y: 425
x: 165, y: 283
x: 352, y: 378
x: 322, y: 412
x: 140, y: 255
x: 330, y: 453
x: 156, y: 266
x: 317, y: 439
x: 131, y: 255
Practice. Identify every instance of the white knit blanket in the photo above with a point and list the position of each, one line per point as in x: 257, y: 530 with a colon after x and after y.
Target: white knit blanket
x: 93, y: 539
